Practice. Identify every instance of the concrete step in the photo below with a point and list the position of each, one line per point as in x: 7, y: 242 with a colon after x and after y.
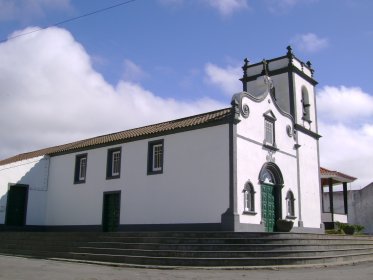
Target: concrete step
x: 190, y: 248
x: 233, y: 240
x: 224, y: 247
x: 219, y: 262
x: 222, y: 254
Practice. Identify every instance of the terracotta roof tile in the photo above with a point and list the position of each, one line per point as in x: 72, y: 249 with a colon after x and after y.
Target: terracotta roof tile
x: 335, y: 174
x: 189, y: 122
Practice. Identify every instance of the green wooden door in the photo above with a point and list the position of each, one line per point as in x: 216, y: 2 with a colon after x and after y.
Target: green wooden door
x: 16, y: 205
x: 268, y: 207
x: 111, y: 211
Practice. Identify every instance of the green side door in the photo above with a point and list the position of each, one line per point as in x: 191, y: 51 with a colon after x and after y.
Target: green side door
x: 16, y: 205
x: 268, y: 207
x: 111, y: 211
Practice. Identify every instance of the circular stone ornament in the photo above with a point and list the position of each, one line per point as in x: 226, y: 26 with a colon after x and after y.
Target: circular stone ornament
x: 289, y: 131
x: 245, y: 111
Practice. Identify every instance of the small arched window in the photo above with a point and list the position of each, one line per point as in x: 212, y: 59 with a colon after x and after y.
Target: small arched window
x: 305, y: 105
x: 290, y: 209
x: 249, y: 198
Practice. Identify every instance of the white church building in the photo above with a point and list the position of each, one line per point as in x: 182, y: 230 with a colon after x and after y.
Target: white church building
x: 241, y: 168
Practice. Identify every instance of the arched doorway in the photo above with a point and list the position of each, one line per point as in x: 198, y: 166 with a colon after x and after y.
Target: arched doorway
x: 271, y: 180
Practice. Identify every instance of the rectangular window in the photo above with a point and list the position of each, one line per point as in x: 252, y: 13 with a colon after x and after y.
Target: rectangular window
x: 80, y: 173
x: 115, y: 167
x: 113, y: 163
x: 269, y: 132
x: 83, y: 168
x: 155, y: 157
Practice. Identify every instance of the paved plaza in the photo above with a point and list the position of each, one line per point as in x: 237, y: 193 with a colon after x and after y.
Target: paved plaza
x: 39, y: 269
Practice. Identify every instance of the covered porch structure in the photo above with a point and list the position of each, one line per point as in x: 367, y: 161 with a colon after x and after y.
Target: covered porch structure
x: 334, y: 204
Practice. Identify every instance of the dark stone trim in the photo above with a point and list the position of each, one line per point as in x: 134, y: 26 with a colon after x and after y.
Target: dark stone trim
x: 269, y: 115
x: 144, y: 137
x: 150, y: 157
x: 230, y: 217
x: 261, y: 144
x: 243, y: 227
x: 304, y: 76
x: 276, y: 171
x: 239, y: 227
x: 75, y: 228
x: 4, y: 227
x: 307, y: 120
x: 172, y: 227
x: 131, y: 227
x: 289, y: 69
x: 270, y: 147
x: 288, y: 55
x: 249, y: 140
x: 110, y: 152
x: 320, y: 230
x: 291, y: 95
x: 290, y: 217
x: 252, y: 213
x: 306, y: 131
x: 239, y: 96
x: 78, y: 157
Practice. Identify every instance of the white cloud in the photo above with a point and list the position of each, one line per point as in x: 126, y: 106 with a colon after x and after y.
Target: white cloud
x: 23, y: 10
x: 348, y: 150
x: 226, y: 79
x: 224, y: 7
x: 344, y: 104
x: 283, y: 6
x: 174, y: 3
x: 310, y: 42
x: 228, y: 7
x: 50, y: 94
x: 132, y: 72
x: 368, y: 129
x: 346, y: 124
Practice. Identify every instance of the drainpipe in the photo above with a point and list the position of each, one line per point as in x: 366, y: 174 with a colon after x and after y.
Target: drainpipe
x: 345, y: 198
x: 297, y: 146
x: 331, y: 198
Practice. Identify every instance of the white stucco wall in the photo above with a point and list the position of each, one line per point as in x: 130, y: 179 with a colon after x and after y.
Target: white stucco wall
x: 194, y: 186
x: 309, y: 181
x: 360, y: 210
x: 34, y: 173
x: 251, y: 156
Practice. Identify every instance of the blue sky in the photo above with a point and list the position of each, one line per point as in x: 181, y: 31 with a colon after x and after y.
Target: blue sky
x: 153, y: 60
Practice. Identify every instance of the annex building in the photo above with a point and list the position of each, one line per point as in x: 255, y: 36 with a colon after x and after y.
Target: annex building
x: 240, y: 168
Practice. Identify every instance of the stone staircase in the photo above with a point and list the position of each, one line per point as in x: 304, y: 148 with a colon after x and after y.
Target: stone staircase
x: 187, y: 249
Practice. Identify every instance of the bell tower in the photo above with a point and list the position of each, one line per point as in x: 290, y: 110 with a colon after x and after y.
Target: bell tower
x: 292, y: 86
